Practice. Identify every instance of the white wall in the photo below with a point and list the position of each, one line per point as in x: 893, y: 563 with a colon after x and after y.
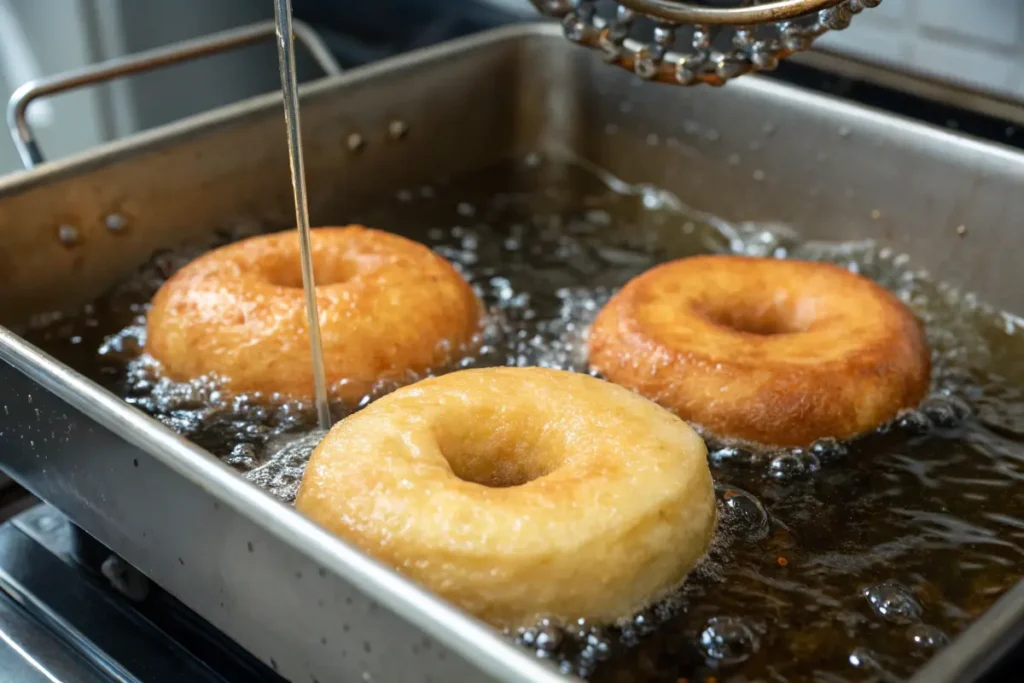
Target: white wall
x: 976, y: 42
x: 77, y: 120
x: 68, y: 34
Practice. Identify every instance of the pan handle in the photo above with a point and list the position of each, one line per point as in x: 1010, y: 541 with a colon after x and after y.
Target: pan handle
x: 21, y: 131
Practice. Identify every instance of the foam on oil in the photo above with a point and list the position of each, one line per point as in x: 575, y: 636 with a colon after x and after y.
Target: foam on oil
x: 842, y: 562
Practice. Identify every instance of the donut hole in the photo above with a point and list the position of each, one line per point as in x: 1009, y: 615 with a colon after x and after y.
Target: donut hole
x: 493, y: 465
x: 288, y: 274
x: 481, y: 449
x: 501, y: 474
x: 764, y: 321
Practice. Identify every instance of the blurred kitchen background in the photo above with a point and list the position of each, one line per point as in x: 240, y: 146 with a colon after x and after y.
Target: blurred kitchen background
x: 976, y: 42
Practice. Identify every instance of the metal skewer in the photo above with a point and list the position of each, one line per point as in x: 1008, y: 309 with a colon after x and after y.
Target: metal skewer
x: 290, y: 88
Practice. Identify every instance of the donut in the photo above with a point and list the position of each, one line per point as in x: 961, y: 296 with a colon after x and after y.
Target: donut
x: 769, y: 351
x: 390, y: 309
x: 517, y: 493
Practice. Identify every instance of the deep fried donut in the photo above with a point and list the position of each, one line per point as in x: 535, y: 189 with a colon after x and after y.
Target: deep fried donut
x: 389, y: 308
x: 519, y: 492
x: 777, y: 352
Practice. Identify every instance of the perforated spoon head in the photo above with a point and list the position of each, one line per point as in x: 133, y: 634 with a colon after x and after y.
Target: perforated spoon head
x: 697, y: 43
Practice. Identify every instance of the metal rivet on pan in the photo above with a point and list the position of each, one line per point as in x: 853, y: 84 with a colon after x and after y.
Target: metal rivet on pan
x: 961, y: 230
x: 398, y: 129
x: 115, y: 222
x: 68, y: 235
x: 355, y: 142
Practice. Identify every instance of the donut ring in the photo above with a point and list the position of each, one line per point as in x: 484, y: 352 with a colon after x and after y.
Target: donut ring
x: 776, y: 352
x: 389, y: 308
x: 519, y: 492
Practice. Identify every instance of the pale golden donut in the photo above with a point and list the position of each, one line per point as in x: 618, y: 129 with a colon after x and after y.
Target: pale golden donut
x: 389, y: 308
x: 765, y: 350
x: 519, y: 492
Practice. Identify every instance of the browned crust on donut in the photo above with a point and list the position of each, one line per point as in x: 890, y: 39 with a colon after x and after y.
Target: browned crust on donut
x: 848, y: 355
x: 390, y: 310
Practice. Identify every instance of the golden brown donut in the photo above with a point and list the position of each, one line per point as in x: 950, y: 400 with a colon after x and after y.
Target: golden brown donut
x: 519, y: 492
x: 777, y: 352
x: 389, y: 308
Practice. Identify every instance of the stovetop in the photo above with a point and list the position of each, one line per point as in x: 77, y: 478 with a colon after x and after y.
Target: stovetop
x: 72, y: 612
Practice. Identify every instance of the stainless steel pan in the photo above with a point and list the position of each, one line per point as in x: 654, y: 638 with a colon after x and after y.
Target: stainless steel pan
x: 302, y: 600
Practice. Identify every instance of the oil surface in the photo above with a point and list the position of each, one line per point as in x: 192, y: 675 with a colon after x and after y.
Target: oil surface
x: 849, y: 562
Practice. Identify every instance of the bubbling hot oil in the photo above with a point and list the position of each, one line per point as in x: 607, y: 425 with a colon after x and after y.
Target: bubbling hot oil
x: 842, y: 562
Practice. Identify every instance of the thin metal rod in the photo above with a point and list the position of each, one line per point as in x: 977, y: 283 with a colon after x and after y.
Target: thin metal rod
x: 290, y: 88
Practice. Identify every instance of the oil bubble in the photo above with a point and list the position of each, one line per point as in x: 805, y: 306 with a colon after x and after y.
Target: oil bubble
x: 927, y: 637
x: 945, y: 411
x: 912, y: 422
x: 745, y: 513
x: 787, y: 467
x: 549, y: 638
x: 893, y: 602
x: 243, y: 456
x: 285, y: 463
x: 728, y: 640
x: 862, y: 657
x: 828, y: 449
x: 526, y: 636
x: 734, y: 455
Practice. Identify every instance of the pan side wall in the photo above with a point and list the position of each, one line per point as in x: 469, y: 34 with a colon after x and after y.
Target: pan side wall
x: 759, y: 150
x: 448, y: 115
